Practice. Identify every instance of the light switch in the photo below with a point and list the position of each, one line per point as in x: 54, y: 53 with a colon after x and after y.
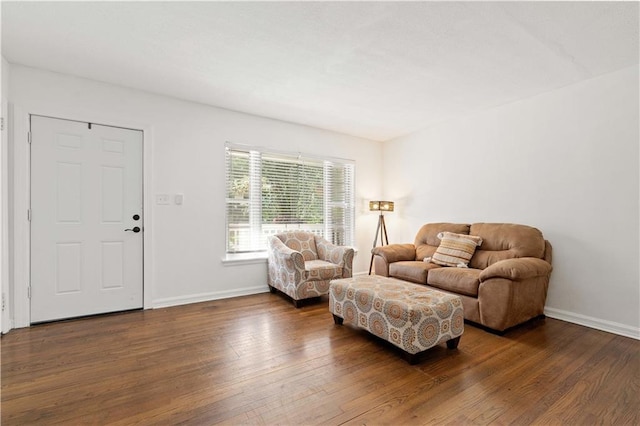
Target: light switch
x: 162, y: 199
x: 178, y: 198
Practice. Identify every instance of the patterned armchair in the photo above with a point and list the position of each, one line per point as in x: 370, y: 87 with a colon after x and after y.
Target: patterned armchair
x: 302, y: 264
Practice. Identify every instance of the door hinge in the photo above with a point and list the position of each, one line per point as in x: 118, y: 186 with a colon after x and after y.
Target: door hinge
x: 4, y: 301
x: 28, y: 137
x: 1, y: 123
x: 28, y: 215
x: 29, y: 292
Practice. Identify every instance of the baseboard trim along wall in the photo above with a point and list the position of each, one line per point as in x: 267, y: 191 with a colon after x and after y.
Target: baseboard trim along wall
x: 598, y: 324
x: 205, y: 297
x: 591, y: 322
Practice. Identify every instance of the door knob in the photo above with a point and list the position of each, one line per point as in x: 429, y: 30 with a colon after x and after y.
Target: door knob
x: 135, y: 229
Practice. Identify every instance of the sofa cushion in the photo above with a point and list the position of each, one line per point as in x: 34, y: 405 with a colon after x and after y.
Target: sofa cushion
x: 458, y: 280
x: 505, y: 241
x: 455, y: 249
x: 413, y: 271
x: 427, y: 240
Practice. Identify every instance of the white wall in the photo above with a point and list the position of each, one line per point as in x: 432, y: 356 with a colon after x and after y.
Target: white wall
x: 184, y: 153
x: 5, y: 319
x: 565, y: 162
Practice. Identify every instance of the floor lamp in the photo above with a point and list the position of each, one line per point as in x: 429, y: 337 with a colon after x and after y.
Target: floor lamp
x: 380, y: 206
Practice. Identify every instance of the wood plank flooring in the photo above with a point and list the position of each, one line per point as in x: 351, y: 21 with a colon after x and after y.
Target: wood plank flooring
x: 258, y: 360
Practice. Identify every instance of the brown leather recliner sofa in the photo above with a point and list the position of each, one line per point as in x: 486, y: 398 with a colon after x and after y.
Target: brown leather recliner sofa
x: 505, y: 283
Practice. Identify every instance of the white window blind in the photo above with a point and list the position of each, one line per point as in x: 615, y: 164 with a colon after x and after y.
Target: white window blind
x: 273, y: 192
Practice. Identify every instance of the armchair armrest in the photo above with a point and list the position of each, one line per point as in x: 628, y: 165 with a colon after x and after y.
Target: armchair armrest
x: 285, y: 257
x: 395, y: 252
x: 517, y: 269
x: 339, y: 255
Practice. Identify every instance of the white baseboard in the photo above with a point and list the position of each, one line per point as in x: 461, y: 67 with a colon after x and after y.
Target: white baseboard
x: 7, y: 327
x: 205, y: 297
x: 597, y: 323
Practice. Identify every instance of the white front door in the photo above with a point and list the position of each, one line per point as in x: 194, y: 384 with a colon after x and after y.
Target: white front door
x: 86, y: 206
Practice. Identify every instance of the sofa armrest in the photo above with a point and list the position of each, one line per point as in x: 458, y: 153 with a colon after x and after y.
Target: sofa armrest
x: 395, y: 252
x: 517, y: 269
x: 339, y: 255
x: 285, y: 257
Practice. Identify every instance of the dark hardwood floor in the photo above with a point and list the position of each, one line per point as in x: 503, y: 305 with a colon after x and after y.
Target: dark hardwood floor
x: 258, y: 360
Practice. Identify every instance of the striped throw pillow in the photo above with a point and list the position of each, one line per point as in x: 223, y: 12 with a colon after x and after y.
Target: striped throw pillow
x: 455, y: 249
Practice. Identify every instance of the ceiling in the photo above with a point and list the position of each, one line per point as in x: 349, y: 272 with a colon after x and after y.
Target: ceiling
x: 377, y: 70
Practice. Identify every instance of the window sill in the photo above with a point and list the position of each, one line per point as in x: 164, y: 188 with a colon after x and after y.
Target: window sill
x: 232, y: 259
x: 244, y: 258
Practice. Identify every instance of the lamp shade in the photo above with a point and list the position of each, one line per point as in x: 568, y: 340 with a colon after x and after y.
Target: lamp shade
x: 384, y: 206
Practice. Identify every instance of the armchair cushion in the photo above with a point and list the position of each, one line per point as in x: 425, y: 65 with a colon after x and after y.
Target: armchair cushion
x: 303, y: 242
x: 322, y: 270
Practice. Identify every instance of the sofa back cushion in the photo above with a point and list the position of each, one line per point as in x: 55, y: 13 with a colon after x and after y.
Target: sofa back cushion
x: 505, y: 241
x: 427, y: 240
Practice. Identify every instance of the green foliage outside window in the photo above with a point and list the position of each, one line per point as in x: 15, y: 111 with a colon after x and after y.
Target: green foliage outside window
x: 290, y: 192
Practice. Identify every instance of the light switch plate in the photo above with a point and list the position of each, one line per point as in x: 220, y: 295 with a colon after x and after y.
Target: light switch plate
x: 178, y: 199
x: 162, y: 199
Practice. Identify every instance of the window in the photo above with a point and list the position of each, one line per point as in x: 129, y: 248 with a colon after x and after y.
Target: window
x: 271, y: 192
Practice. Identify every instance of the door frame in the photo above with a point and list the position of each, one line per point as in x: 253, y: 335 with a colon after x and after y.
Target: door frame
x: 22, y: 196
x: 6, y: 322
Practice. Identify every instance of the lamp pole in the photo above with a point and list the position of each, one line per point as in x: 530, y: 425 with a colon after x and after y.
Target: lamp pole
x: 381, y: 230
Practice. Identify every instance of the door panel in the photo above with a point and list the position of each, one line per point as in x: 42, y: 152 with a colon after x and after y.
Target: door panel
x: 68, y: 268
x: 112, y: 194
x: 69, y: 192
x: 112, y: 264
x: 86, y: 185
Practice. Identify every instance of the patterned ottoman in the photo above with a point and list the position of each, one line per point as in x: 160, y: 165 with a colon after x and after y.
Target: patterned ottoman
x: 410, y: 316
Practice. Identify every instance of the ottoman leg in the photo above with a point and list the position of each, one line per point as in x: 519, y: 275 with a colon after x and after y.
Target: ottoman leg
x: 453, y: 343
x: 337, y: 319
